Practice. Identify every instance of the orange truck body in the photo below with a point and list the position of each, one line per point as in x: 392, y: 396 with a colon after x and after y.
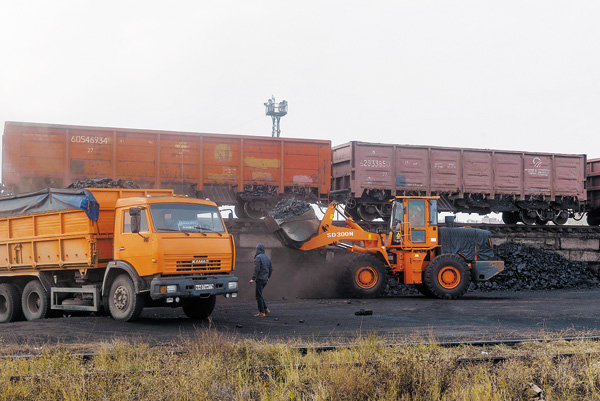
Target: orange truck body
x: 67, y: 250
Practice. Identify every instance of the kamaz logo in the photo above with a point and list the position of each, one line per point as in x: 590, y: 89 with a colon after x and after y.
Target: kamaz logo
x: 537, y: 162
x: 199, y: 261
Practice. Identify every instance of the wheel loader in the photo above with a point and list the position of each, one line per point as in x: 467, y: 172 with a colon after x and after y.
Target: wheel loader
x: 440, y: 262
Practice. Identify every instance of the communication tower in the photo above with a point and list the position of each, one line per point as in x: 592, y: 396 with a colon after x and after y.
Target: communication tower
x: 276, y: 111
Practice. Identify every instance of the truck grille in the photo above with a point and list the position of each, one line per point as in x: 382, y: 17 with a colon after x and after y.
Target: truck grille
x: 198, y: 263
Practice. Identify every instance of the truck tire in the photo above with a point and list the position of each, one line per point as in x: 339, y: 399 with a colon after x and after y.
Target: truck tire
x: 34, y: 301
x: 123, y: 302
x: 447, y: 276
x: 366, y: 277
x: 10, y: 303
x: 199, y: 308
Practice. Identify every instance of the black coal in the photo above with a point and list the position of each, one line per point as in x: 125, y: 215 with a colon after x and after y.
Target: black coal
x: 104, y: 183
x: 287, y: 208
x: 526, y: 269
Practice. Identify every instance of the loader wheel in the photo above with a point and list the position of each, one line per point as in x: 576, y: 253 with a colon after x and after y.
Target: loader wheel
x: 35, y: 301
x: 422, y: 288
x: 199, y: 308
x: 124, y: 304
x: 447, y: 276
x: 10, y: 303
x: 366, y: 277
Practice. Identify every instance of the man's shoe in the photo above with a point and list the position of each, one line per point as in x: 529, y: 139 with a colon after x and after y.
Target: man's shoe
x: 267, y: 310
x: 260, y: 314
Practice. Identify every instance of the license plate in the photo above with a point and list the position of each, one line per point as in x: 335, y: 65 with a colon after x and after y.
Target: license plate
x: 205, y: 286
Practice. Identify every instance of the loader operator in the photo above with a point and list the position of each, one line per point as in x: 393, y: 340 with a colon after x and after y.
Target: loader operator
x: 262, y: 272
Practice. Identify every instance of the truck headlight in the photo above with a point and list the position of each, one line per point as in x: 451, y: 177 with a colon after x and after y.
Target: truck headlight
x: 171, y: 289
x: 232, y: 285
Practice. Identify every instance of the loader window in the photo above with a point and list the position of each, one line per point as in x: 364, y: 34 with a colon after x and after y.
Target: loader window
x: 416, y: 218
x: 433, y: 219
x: 127, y: 222
x: 416, y: 213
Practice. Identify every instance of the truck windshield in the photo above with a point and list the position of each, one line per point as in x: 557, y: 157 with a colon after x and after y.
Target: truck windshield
x: 186, y: 217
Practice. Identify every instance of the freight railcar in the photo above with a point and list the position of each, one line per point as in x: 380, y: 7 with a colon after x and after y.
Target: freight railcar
x: 533, y: 188
x: 250, y: 172
x: 593, y: 190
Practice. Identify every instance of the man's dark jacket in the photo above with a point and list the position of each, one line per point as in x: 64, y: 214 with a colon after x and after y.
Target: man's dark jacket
x: 262, y: 264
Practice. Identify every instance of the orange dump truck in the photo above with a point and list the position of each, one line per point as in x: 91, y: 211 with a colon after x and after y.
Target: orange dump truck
x: 114, y: 250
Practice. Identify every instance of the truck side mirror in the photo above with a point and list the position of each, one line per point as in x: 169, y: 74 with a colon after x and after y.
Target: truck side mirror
x: 136, y: 219
x: 230, y: 217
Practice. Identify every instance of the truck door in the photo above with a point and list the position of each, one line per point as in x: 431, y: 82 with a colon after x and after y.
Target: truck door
x: 134, y: 248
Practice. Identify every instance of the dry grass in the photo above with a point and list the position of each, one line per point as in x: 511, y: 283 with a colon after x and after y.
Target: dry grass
x: 216, y: 367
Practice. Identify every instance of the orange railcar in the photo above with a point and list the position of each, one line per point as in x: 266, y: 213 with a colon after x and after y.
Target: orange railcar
x: 247, y: 171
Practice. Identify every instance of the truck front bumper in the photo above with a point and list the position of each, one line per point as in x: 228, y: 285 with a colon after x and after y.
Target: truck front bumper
x: 193, y: 286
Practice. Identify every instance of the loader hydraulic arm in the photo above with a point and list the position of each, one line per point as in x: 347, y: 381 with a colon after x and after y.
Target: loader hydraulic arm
x: 328, y: 234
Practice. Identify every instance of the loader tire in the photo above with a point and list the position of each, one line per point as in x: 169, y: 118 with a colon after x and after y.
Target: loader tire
x: 124, y: 304
x: 447, y: 276
x: 422, y: 288
x: 10, y: 303
x: 199, y: 308
x: 366, y: 277
x: 35, y: 301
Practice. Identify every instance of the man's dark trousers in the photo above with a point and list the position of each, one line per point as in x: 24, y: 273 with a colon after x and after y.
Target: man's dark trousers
x: 262, y: 305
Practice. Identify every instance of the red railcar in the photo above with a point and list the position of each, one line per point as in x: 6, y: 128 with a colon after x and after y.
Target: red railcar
x: 247, y: 171
x: 524, y: 186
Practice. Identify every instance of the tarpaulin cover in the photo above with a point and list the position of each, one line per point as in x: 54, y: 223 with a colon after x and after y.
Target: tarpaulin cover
x: 48, y: 201
x: 467, y: 241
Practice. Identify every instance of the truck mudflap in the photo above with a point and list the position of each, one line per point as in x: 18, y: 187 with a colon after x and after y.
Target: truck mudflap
x: 193, y: 286
x: 483, y: 270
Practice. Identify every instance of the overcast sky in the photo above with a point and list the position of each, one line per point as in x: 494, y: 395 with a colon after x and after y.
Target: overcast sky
x: 518, y: 75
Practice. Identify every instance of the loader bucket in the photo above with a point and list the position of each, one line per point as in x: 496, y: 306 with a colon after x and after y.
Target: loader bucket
x: 296, y: 230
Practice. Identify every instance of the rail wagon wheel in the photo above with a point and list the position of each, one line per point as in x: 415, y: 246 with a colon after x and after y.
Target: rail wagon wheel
x: 593, y: 220
x: 239, y: 211
x: 561, y: 218
x: 447, y: 276
x: 199, y: 308
x: 368, y: 212
x: 124, y: 304
x: 526, y: 218
x: 541, y: 222
x: 366, y: 277
x: 253, y: 212
x: 10, y: 303
x: 34, y: 301
x: 510, y: 217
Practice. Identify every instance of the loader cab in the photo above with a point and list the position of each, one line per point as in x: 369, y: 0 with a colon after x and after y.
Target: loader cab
x: 413, y: 223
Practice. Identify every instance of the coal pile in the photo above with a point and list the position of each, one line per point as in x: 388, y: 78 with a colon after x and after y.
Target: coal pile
x: 527, y: 268
x: 287, y: 208
x: 104, y: 183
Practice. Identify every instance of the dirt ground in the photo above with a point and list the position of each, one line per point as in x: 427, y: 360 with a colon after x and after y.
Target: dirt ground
x: 476, y: 316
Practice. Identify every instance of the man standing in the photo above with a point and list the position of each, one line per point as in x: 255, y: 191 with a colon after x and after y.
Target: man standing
x: 262, y: 273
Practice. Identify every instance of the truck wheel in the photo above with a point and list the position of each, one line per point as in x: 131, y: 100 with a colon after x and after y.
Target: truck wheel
x: 199, y: 308
x: 35, y: 301
x: 366, y: 277
x: 124, y: 304
x: 10, y: 303
x: 447, y: 276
